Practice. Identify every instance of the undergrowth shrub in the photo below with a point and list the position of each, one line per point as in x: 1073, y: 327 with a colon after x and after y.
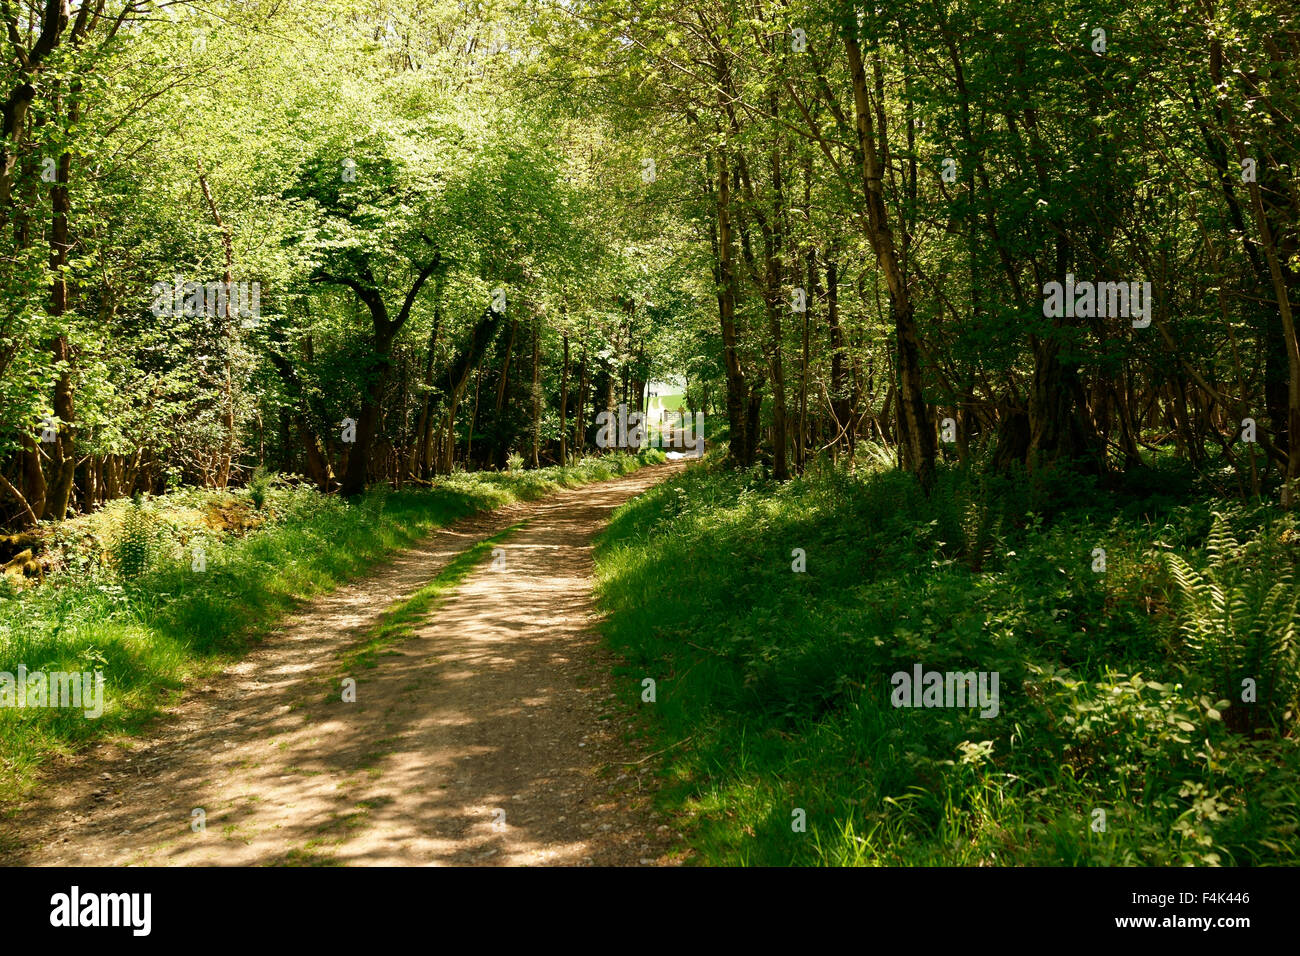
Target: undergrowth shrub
x: 137, y: 538
x: 1120, y: 682
x: 1239, y: 624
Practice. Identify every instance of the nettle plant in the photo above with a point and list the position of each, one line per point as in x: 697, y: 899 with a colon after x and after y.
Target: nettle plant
x: 1237, y: 617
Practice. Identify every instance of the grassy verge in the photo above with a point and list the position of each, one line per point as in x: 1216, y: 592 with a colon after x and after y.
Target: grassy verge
x: 166, y: 624
x: 400, y: 621
x: 1147, y: 706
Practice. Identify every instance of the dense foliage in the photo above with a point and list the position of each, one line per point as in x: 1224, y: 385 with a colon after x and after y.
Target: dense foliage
x: 1120, y: 692
x: 972, y: 289
x: 464, y: 228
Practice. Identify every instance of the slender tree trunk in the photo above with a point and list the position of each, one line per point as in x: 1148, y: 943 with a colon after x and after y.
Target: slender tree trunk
x: 918, y: 440
x: 841, y: 409
x: 579, y: 413
x: 473, y: 421
x: 503, y: 384
x: 810, y: 296
x: 537, y: 392
x: 737, y: 388
x: 59, y: 494
x: 564, y: 404
x: 419, y: 463
x: 228, y: 335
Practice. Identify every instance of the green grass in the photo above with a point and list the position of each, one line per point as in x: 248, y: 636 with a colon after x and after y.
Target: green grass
x: 401, y: 620
x: 153, y: 633
x: 1119, y: 691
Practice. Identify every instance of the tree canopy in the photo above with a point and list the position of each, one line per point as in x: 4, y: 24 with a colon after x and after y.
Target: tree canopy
x: 229, y: 229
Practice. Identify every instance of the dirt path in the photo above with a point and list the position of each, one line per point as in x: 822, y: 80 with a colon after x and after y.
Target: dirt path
x: 490, y: 737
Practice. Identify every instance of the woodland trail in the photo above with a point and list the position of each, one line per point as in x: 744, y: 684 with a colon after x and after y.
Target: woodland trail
x: 501, y: 700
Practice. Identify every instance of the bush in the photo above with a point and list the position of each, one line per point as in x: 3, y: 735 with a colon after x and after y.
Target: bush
x: 259, y: 486
x: 136, y: 542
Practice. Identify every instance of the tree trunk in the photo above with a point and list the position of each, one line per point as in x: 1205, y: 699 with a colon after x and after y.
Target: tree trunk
x: 841, y: 408
x: 579, y: 425
x: 737, y: 388
x: 228, y: 334
x: 564, y: 403
x: 918, y: 440
x: 356, y: 471
x: 537, y: 392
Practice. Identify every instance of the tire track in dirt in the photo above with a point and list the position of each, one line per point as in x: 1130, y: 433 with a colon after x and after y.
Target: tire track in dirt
x: 490, y: 736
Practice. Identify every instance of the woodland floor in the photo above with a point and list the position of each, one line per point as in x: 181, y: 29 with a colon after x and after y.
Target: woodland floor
x: 501, y: 700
